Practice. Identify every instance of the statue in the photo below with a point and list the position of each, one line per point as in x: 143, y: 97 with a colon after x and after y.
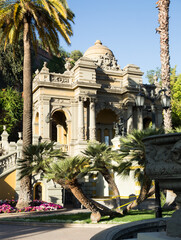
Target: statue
x: 119, y: 127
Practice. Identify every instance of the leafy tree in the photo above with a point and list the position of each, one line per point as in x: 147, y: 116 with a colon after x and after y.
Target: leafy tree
x: 75, y: 55
x: 57, y: 62
x: 175, y: 82
x: 132, y: 159
x: 11, y: 65
x: 150, y: 75
x: 35, y: 19
x: 102, y: 157
x: 11, y: 112
x: 176, y: 97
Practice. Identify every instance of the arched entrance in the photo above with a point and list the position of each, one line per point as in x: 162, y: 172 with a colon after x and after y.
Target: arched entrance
x: 104, y: 125
x: 146, y: 122
x: 38, y: 191
x: 59, y: 127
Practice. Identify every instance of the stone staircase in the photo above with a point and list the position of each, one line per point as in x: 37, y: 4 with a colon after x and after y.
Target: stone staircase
x: 11, y: 152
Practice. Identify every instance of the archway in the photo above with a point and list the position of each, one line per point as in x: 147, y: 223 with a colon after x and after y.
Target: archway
x: 59, y: 127
x: 146, y: 122
x: 38, y: 191
x: 104, y: 125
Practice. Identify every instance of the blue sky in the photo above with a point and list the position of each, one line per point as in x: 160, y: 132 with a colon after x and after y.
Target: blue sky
x: 127, y: 28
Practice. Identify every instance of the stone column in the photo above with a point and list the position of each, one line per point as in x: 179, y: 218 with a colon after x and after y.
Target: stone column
x: 68, y: 122
x: 110, y: 134
x: 81, y: 127
x: 102, y: 134
x: 59, y: 134
x: 139, y: 119
x: 92, y: 126
x: 44, y: 119
x: 130, y: 119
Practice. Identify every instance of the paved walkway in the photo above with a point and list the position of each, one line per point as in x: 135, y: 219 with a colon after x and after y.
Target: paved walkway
x: 48, y: 231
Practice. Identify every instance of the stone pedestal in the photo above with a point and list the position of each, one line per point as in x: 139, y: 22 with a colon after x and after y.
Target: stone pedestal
x: 116, y: 142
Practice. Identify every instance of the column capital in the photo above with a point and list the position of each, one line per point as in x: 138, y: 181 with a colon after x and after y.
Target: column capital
x: 92, y: 99
x: 81, y: 98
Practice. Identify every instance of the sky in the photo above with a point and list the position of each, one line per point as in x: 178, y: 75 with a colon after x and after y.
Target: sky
x: 127, y: 27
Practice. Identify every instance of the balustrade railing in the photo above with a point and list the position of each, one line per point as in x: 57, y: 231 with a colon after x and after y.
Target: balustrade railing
x: 8, y: 163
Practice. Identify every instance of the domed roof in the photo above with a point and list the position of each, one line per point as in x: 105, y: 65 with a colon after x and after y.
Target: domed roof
x: 96, y: 50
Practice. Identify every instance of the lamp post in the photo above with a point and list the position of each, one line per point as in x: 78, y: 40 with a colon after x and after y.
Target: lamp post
x: 149, y: 93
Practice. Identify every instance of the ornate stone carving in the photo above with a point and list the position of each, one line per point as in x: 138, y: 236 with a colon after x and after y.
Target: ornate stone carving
x: 163, y: 154
x: 44, y: 68
x: 60, y: 101
x: 160, y: 159
x: 92, y: 133
x: 108, y: 105
x: 81, y: 134
x: 176, y: 152
x: 107, y: 62
x: 59, y: 79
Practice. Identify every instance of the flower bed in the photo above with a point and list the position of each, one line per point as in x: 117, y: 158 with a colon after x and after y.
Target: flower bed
x: 9, y: 206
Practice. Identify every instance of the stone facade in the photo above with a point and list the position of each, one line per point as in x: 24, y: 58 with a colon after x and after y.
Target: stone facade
x: 85, y: 103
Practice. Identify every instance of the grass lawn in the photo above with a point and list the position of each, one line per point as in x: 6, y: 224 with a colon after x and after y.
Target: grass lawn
x: 134, y: 215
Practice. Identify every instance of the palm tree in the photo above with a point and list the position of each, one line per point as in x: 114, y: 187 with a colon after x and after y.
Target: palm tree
x: 132, y: 158
x: 42, y: 19
x: 36, y: 158
x: 68, y: 173
x: 102, y: 157
x: 163, y: 30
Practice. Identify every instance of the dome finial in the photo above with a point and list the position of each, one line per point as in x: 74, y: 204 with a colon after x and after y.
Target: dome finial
x: 98, y: 42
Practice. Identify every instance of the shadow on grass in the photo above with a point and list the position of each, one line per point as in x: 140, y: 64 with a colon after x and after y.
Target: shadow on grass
x: 133, y: 215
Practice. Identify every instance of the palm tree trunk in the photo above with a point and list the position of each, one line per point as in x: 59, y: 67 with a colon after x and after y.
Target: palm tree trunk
x: 25, y: 184
x: 82, y: 198
x: 144, y: 193
x: 112, y: 185
x: 163, y: 30
x: 88, y: 203
x: 96, y: 208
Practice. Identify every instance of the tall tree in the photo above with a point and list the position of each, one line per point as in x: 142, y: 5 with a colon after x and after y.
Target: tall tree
x: 163, y: 30
x: 42, y: 19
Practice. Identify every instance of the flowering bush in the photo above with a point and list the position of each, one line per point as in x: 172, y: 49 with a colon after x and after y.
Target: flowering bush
x: 9, y: 206
x: 6, y: 208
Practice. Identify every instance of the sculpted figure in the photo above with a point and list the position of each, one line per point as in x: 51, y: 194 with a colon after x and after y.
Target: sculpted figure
x: 176, y: 152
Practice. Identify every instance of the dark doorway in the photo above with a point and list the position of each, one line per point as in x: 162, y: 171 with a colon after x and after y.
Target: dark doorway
x: 70, y: 201
x: 38, y: 192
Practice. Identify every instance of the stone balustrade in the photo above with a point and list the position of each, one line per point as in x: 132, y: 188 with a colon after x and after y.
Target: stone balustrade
x: 7, y: 163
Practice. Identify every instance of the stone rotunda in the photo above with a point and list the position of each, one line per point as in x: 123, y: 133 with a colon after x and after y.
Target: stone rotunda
x: 84, y: 103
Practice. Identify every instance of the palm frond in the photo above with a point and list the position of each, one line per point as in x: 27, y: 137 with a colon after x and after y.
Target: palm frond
x: 47, y: 19
x: 132, y: 152
x: 38, y: 157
